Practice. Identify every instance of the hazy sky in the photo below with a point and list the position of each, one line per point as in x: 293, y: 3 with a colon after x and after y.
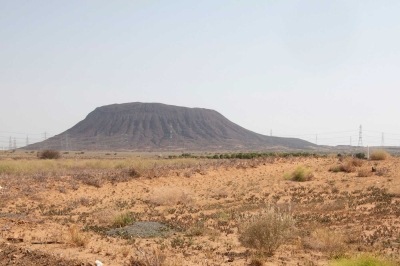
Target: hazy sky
x: 299, y: 68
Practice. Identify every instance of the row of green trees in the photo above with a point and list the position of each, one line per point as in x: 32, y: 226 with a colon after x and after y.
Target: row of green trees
x: 249, y: 155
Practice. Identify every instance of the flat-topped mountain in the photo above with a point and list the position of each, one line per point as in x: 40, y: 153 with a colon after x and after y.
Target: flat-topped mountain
x: 156, y: 126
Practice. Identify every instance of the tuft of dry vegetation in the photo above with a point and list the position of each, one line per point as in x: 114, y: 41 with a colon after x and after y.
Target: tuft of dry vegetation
x: 327, y: 241
x: 265, y: 231
x: 364, y: 173
x: 49, y: 154
x: 168, y: 196
x: 76, y: 238
x: 379, y: 155
x: 300, y: 174
x: 147, y: 258
x: 123, y: 219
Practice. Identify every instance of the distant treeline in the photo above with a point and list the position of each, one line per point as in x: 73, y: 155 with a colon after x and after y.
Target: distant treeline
x: 249, y: 155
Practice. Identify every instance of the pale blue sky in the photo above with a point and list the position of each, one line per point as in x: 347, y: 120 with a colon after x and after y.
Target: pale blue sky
x: 296, y: 67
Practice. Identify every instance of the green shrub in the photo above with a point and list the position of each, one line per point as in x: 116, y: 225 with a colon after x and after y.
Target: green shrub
x: 360, y: 155
x: 265, y: 231
x: 363, y: 260
x: 49, y: 154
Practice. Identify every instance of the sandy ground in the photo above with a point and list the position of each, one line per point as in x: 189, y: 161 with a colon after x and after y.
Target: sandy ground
x: 64, y: 220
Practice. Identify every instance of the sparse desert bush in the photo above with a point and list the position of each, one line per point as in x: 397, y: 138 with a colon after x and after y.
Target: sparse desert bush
x: 170, y: 196
x: 76, y: 238
x: 256, y: 262
x: 123, y: 219
x: 364, y: 173
x: 300, y: 174
x: 148, y: 258
x: 348, y: 166
x: 49, y: 154
x: 327, y: 241
x: 356, y: 162
x: 345, y: 167
x: 364, y: 260
x: 265, y: 231
x: 379, y: 155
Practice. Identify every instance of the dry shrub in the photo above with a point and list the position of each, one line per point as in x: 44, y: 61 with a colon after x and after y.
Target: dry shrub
x: 356, y: 162
x: 219, y: 193
x: 105, y: 217
x: 170, y: 196
x: 364, y: 173
x: 300, y: 174
x: 49, y: 154
x: 123, y: 219
x: 379, y: 155
x: 265, y: 231
x: 90, y: 180
x: 256, y: 262
x: 348, y: 166
x: 148, y: 258
x: 76, y: 238
x: 327, y: 241
x: 382, y: 171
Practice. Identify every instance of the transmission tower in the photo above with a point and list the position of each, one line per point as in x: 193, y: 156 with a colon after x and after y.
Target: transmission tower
x: 15, y: 144
x: 383, y: 140
x: 350, y: 142
x: 360, y: 142
x: 270, y: 133
x: 316, y: 139
x: 10, y: 144
x: 170, y: 132
x: 27, y: 140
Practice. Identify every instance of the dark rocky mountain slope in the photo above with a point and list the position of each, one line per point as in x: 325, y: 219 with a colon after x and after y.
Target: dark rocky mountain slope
x: 155, y: 126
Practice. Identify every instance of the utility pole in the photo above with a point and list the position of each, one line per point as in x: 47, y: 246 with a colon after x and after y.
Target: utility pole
x: 383, y: 140
x: 360, y: 142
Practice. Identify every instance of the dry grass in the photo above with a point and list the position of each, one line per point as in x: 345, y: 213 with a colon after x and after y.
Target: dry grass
x: 379, y: 155
x: 364, y: 173
x: 265, y: 231
x: 327, y: 241
x: 123, y: 219
x: 76, y: 238
x: 63, y: 166
x: 300, y: 174
x: 168, y: 196
x: 148, y: 258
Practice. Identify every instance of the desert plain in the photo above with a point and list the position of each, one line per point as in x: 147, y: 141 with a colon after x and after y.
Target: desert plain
x: 187, y: 211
